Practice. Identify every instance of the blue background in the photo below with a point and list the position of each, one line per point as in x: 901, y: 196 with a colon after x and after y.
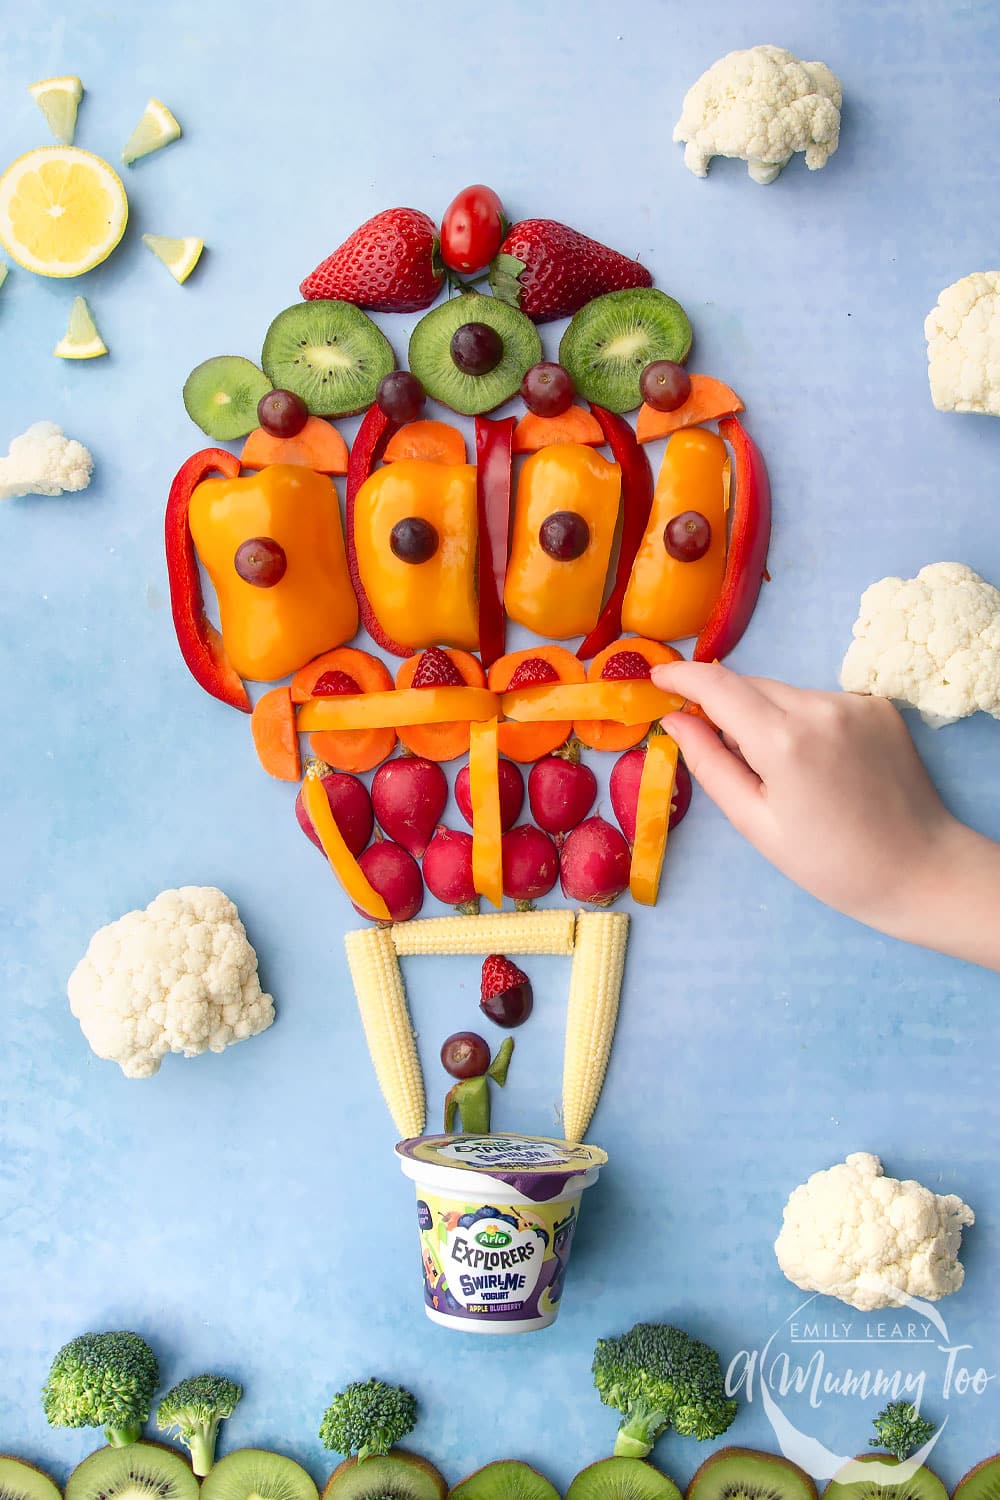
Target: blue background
x: 245, y: 1211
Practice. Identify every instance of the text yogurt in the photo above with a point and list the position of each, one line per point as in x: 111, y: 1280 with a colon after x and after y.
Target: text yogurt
x: 496, y: 1216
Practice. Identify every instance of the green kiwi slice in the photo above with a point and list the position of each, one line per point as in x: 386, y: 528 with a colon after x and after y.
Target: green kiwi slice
x: 612, y: 339
x: 397, y: 1476
x: 22, y: 1481
x: 745, y: 1474
x: 431, y: 362
x: 507, y: 1479
x: 253, y: 1474
x: 982, y: 1482
x: 221, y: 395
x: 622, y: 1479
x: 140, y: 1471
x: 850, y: 1483
x: 330, y: 353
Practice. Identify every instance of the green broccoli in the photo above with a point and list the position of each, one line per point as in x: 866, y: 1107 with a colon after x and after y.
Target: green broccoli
x: 196, y: 1407
x: 102, y: 1380
x: 368, y: 1417
x: 660, y: 1377
x: 901, y: 1430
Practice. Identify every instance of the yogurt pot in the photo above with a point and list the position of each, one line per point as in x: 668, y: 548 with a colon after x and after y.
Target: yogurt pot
x: 496, y: 1216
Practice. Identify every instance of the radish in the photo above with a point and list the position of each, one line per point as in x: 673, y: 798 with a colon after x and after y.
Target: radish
x: 594, y: 863
x: 561, y: 791
x: 351, y: 807
x: 624, y: 788
x: 511, y: 793
x: 448, y: 869
x: 395, y: 874
x: 409, y: 795
x: 530, y: 863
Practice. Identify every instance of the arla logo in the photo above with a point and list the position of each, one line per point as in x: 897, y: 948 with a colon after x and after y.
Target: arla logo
x: 493, y: 1237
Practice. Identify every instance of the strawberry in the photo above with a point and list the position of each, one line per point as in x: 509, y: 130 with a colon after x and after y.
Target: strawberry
x: 625, y: 666
x: 561, y: 269
x: 390, y: 264
x: 505, y: 992
x: 499, y: 974
x: 534, y: 671
x: 332, y: 684
x: 436, y: 669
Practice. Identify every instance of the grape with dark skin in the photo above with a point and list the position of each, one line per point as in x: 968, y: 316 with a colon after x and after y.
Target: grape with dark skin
x: 400, y: 396
x: 511, y: 1007
x: 261, y: 561
x: 282, y: 413
x: 465, y: 1055
x: 476, y: 348
x: 547, y: 389
x: 665, y: 385
x: 413, y: 540
x: 688, y: 536
x: 564, y: 535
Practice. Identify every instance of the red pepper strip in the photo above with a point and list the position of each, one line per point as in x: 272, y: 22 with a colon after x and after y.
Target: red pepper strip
x: 374, y: 433
x: 637, y: 502
x: 494, y: 442
x: 746, y: 559
x: 201, y: 644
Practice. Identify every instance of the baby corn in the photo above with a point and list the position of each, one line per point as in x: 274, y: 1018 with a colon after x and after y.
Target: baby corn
x: 594, y: 988
x: 378, y: 985
x: 515, y: 932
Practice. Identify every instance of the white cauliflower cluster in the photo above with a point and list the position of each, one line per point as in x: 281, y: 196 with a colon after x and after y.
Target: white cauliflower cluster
x: 761, y: 105
x: 932, y: 641
x: 180, y: 976
x: 43, y: 461
x: 850, y: 1232
x: 963, y: 345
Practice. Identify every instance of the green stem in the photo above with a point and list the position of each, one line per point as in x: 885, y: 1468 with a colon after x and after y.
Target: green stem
x: 120, y: 1437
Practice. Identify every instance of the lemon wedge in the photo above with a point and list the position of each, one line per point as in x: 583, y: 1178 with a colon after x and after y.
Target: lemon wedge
x: 156, y: 128
x: 82, y: 340
x: 179, y: 256
x: 62, y: 210
x: 59, y: 99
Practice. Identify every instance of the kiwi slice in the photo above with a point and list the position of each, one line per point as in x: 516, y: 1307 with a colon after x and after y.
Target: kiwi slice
x: 221, y: 395
x: 850, y: 1483
x: 612, y: 339
x: 982, y: 1482
x: 745, y: 1474
x: 431, y: 362
x: 253, y: 1474
x: 397, y: 1476
x: 330, y: 353
x: 622, y: 1479
x: 140, y: 1471
x: 22, y: 1481
x: 507, y: 1479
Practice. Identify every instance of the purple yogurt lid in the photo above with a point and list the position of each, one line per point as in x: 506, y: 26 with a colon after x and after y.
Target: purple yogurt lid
x: 535, y: 1166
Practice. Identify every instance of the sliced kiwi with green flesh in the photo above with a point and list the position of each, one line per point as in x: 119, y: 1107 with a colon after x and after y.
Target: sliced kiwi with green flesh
x: 745, y: 1474
x: 221, y: 395
x: 397, y: 1476
x: 507, y: 1479
x: 982, y: 1482
x: 622, y: 1479
x: 431, y: 361
x: 22, y: 1481
x: 254, y: 1474
x: 612, y: 339
x: 140, y: 1471
x: 329, y: 353
x: 851, y: 1482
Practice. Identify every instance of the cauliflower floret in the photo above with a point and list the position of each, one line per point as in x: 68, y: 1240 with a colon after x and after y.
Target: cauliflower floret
x: 761, y: 105
x: 963, y: 345
x: 43, y: 461
x: 932, y: 641
x: 852, y: 1233
x: 180, y: 976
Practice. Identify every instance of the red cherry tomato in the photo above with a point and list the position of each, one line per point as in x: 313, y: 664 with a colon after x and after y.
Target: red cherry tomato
x: 472, y: 229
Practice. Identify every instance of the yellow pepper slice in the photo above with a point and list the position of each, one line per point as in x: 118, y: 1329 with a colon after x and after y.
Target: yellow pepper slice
x: 400, y: 708
x: 484, y: 789
x: 652, y: 818
x: 622, y: 702
x: 342, y: 861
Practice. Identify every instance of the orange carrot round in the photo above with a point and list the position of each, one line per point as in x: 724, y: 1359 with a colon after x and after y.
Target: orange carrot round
x: 708, y: 400
x: 440, y: 742
x: 600, y: 734
x: 347, y: 749
x: 576, y: 425
x: 275, y: 736
x: 435, y: 442
x: 318, y: 446
x: 529, y: 742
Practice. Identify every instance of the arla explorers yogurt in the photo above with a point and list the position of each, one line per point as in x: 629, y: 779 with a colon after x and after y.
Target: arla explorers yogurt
x: 496, y: 1216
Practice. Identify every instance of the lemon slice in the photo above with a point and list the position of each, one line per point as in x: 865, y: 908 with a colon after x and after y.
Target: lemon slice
x: 179, y: 256
x: 82, y: 340
x: 62, y: 210
x: 156, y: 128
x: 59, y: 99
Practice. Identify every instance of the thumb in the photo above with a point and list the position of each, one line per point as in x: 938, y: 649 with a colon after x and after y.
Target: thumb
x: 726, y: 778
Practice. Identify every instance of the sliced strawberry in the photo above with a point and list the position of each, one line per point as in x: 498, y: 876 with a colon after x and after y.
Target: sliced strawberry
x: 332, y: 684
x: 534, y: 671
x: 625, y: 666
x: 436, y: 669
x: 390, y: 264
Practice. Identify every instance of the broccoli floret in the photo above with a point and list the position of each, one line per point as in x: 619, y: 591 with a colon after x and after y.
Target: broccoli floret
x: 195, y: 1407
x: 901, y: 1430
x: 368, y: 1417
x: 660, y: 1377
x: 102, y: 1380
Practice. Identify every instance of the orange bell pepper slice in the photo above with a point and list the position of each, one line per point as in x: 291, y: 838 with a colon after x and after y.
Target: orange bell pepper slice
x: 652, y: 818
x: 484, y: 788
x: 621, y: 702
x: 342, y: 861
x: 400, y: 708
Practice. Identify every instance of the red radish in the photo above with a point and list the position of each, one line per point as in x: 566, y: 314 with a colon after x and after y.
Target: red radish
x: 351, y: 807
x: 409, y: 796
x: 594, y: 863
x: 448, y: 868
x: 396, y: 876
x: 530, y: 863
x: 561, y: 791
x: 624, y: 788
x: 511, y: 793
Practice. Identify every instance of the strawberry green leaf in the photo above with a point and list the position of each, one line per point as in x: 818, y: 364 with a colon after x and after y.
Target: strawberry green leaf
x: 503, y: 278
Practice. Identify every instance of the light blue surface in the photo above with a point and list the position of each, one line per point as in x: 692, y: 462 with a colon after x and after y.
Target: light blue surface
x: 245, y: 1210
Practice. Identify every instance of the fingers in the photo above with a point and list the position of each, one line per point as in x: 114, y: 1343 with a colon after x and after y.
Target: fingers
x: 739, y: 707
x: 727, y: 779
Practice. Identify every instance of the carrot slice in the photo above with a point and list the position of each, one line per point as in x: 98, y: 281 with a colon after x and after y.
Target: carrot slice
x: 275, y: 735
x: 601, y: 734
x: 652, y: 819
x: 708, y: 400
x: 577, y: 425
x: 436, y: 442
x: 348, y: 749
x: 318, y: 446
x: 529, y: 742
x: 440, y: 741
